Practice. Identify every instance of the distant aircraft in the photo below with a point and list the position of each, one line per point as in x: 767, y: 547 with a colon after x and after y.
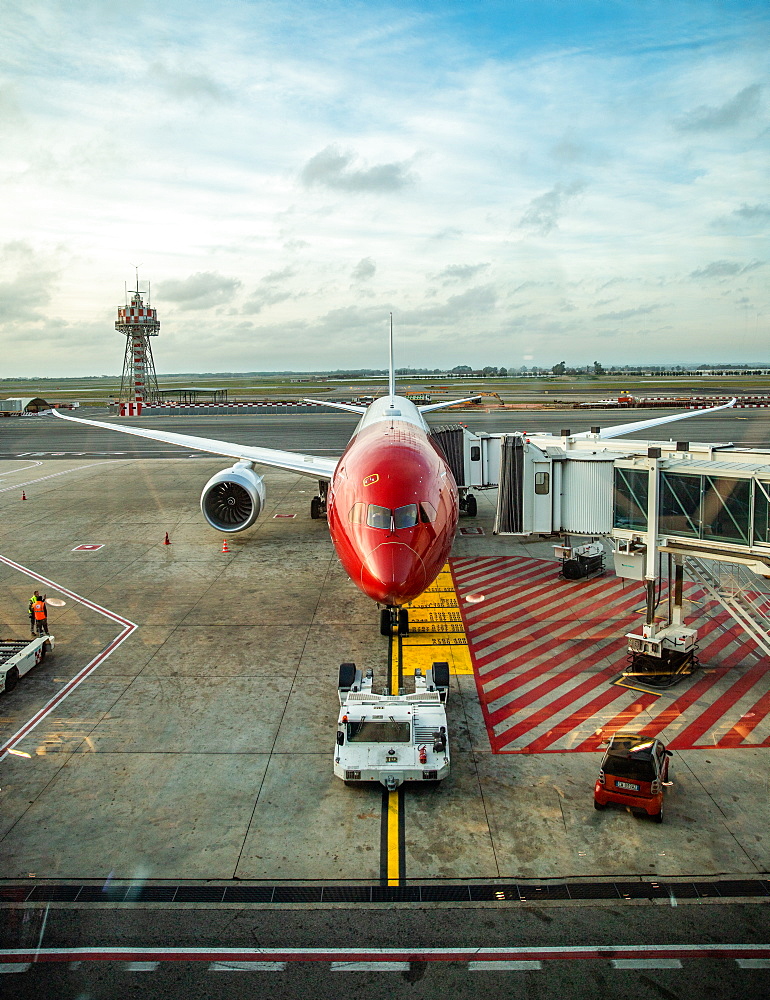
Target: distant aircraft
x: 391, y: 500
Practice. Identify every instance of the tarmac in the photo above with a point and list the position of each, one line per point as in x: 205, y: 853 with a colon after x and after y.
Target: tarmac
x: 184, y: 727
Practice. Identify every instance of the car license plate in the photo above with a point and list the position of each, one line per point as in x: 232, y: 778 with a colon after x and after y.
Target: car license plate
x: 627, y: 784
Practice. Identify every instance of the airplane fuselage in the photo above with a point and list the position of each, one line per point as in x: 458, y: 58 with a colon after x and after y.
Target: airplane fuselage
x: 392, y: 504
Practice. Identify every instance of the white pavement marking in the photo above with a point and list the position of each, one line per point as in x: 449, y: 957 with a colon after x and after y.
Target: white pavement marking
x: 142, y: 966
x: 13, y: 472
x: 53, y: 475
x: 523, y: 966
x: 15, y: 966
x: 128, y: 628
x: 370, y: 966
x: 646, y: 963
x: 753, y: 963
x: 247, y: 966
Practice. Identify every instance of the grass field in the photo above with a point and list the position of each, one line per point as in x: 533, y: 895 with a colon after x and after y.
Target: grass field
x: 513, y: 389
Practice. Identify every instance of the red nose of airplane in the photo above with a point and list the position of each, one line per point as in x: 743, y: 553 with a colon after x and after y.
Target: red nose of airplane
x: 393, y: 574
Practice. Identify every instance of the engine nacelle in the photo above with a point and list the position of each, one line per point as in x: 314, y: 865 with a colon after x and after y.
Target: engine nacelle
x: 232, y: 499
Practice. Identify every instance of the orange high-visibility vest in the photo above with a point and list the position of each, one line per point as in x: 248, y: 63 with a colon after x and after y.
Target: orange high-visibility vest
x: 39, y: 608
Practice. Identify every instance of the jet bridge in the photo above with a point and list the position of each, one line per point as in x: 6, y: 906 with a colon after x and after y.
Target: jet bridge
x: 707, y: 505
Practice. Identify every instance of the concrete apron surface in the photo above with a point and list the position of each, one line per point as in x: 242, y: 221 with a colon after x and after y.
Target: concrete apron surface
x: 201, y: 747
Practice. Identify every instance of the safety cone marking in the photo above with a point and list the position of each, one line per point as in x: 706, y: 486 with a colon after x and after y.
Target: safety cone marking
x: 23, y: 495
x: 166, y: 540
x: 224, y: 546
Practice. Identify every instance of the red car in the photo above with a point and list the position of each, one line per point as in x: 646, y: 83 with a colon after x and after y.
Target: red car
x: 633, y: 773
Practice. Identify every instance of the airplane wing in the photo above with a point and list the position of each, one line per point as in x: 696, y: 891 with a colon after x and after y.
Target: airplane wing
x: 307, y: 465
x: 447, y: 402
x: 337, y: 406
x: 621, y: 430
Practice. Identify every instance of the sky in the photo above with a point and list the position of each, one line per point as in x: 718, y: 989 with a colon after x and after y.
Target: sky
x: 518, y: 182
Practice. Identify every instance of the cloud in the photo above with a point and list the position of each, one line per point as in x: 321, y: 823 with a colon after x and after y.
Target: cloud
x: 200, y: 291
x: 745, y: 220
x: 725, y: 269
x: 30, y: 286
x: 331, y: 168
x: 628, y: 313
x: 189, y: 85
x: 269, y: 292
x: 712, y: 119
x: 543, y: 214
x: 456, y: 273
x: 364, y: 269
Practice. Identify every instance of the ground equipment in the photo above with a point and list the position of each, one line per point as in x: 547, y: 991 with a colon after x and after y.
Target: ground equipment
x: 19, y: 656
x: 392, y: 738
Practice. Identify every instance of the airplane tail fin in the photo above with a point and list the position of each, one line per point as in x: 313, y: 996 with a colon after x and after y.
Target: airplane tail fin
x: 391, y: 367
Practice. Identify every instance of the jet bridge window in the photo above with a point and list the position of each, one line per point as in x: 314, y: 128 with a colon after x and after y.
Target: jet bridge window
x: 762, y: 512
x: 680, y: 504
x: 630, y: 500
x: 542, y: 483
x: 385, y: 731
x: 378, y: 517
x: 726, y: 509
x: 405, y: 517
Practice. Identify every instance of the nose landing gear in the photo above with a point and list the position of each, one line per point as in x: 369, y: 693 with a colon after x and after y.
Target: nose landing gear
x: 318, y: 504
x: 394, y: 618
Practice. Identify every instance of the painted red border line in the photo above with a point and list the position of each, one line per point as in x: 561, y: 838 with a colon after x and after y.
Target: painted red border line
x: 128, y: 628
x: 589, y: 952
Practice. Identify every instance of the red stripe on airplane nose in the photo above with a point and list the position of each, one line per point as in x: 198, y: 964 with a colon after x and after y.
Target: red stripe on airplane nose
x: 393, y: 573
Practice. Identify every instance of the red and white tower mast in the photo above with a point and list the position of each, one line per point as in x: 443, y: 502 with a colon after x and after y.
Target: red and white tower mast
x: 138, y: 322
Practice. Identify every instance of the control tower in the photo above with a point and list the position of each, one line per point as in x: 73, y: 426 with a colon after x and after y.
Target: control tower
x: 138, y: 322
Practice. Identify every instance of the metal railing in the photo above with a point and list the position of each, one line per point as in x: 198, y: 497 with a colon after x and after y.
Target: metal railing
x: 739, y: 591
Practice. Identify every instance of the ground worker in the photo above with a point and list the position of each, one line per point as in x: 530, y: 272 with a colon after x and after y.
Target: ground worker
x: 35, y: 597
x: 41, y: 616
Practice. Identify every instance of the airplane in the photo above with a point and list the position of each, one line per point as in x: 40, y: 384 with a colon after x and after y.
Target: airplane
x: 391, y: 501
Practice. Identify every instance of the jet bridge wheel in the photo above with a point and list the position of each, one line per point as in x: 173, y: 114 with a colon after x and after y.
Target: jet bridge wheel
x: 471, y: 507
x: 315, y: 508
x: 11, y: 679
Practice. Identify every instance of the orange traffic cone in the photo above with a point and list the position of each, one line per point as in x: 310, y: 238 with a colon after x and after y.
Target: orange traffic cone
x: 23, y: 495
x: 166, y: 540
x: 224, y: 546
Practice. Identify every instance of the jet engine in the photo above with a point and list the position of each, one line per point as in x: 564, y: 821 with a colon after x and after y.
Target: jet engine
x: 232, y: 499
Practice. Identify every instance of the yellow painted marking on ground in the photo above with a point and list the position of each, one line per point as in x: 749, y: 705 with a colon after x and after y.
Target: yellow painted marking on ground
x: 436, y: 629
x: 393, y: 853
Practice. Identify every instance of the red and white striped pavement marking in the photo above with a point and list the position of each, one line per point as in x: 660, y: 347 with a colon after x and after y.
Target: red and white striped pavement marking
x: 127, y: 628
x: 545, y: 652
x: 236, y: 959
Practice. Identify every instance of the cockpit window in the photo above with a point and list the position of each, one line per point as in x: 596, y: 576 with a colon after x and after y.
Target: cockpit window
x: 427, y: 512
x: 378, y: 517
x: 357, y: 513
x: 405, y: 517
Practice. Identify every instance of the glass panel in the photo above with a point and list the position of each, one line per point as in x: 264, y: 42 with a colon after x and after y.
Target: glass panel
x: 427, y: 512
x: 726, y: 509
x: 379, y: 732
x: 631, y: 488
x: 405, y: 517
x: 378, y: 517
x: 680, y: 504
x: 542, y: 483
x: 762, y: 513
x: 357, y: 513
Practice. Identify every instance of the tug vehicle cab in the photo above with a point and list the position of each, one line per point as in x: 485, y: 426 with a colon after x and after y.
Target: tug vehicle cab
x: 633, y: 773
